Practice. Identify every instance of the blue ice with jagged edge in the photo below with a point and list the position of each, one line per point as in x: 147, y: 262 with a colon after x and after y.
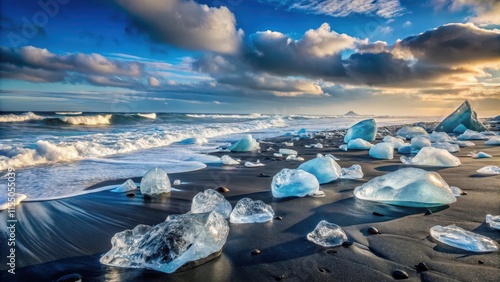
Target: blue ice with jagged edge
x: 359, y: 144
x: 384, y: 151
x: 430, y: 156
x: 460, y: 129
x: 327, y: 234
x: 155, y: 181
x: 294, y: 183
x: 245, y: 144
x: 352, y: 172
x: 472, y: 135
x: 365, y: 129
x: 325, y: 169
x: 412, y: 187
x: 464, y: 115
x: 211, y: 200
x: 250, y: 211
x: 457, y: 237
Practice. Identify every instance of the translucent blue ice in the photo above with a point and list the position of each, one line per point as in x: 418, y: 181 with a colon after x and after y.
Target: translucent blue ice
x: 359, y: 144
x: 430, y: 156
x: 211, y: 200
x: 419, y: 142
x: 460, y: 129
x: 464, y: 115
x: 128, y: 185
x: 155, y: 181
x: 249, y: 211
x: 327, y: 234
x: 384, y: 151
x: 459, y: 238
x: 294, y: 183
x: 409, y: 132
x: 365, y: 129
x: 245, y: 144
x: 325, y: 169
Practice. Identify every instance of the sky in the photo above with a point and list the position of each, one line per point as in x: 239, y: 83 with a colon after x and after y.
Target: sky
x: 383, y: 57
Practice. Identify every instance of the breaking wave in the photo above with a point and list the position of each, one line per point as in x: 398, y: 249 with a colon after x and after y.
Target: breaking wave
x: 20, y: 118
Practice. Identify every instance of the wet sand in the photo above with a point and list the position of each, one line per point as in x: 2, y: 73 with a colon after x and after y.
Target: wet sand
x: 69, y: 235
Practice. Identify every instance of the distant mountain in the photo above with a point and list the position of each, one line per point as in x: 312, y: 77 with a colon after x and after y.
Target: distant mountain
x: 351, y: 113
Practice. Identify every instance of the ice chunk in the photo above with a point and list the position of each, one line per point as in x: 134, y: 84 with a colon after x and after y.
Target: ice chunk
x: 462, y: 115
x: 210, y: 200
x: 294, y: 182
x: 254, y: 164
x: 177, y: 182
x: 245, y: 144
x: 288, y: 144
x: 412, y: 187
x: 294, y: 158
x: 128, y: 185
x: 430, y: 156
x: 459, y: 238
x: 488, y: 133
x: 457, y: 192
x: 301, y: 131
x: 343, y: 147
x: 359, y: 144
x: 471, y: 135
x: 194, y: 141
x: 352, y: 172
x: 409, y: 132
x: 384, y: 151
x: 493, y: 141
x: 460, y: 129
x: 325, y: 169
x: 480, y: 155
x: 5, y: 203
x: 365, y: 129
x: 288, y: 152
x: 227, y: 160
x: 327, y: 234
x: 169, y: 245
x: 396, y: 142
x: 439, y: 137
x: 490, y: 169
x: 278, y: 155
x: 155, y: 181
x: 317, y: 146
x: 249, y: 211
x: 420, y: 142
x: 332, y: 156
x: 452, y: 148
x: 405, y: 150
x: 493, y: 221
x: 464, y: 143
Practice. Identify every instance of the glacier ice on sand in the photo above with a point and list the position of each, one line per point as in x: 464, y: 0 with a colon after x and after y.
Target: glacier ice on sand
x: 489, y: 169
x: 211, y: 200
x: 128, y: 185
x: 419, y: 142
x: 493, y: 221
x: 250, y: 211
x: 227, y: 160
x: 495, y: 141
x: 430, y: 156
x: 245, y: 144
x: 294, y: 183
x: 352, y: 172
x: 384, y: 151
x: 471, y: 135
x: 327, y: 234
x: 452, y: 148
x: 359, y: 144
x: 254, y: 164
x: 479, y: 155
x: 396, y: 142
x: 409, y: 132
x: 155, y: 181
x: 325, y: 169
x: 287, y: 151
x: 169, y: 245
x: 459, y: 129
x: 457, y: 237
x: 412, y: 187
x: 365, y: 129
x: 464, y: 115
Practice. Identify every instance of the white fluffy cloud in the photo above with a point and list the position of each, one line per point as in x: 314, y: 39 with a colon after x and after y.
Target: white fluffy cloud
x: 153, y: 82
x: 185, y: 24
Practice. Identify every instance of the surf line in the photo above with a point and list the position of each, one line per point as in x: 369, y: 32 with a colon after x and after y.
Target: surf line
x: 11, y: 220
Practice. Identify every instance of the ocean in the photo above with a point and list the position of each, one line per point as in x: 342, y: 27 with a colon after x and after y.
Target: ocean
x: 59, y: 154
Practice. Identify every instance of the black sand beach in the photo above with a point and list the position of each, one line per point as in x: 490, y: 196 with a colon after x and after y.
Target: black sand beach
x: 60, y: 237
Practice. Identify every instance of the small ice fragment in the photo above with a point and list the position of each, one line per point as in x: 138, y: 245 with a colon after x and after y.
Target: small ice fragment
x: 457, y: 192
x: 211, y: 200
x: 245, y: 144
x: 490, y: 169
x: 294, y: 158
x: 493, y: 141
x: 155, y: 181
x: 249, y: 211
x: 359, y: 144
x: 352, y: 172
x: 317, y: 146
x: 301, y: 131
x: 452, y: 148
x: 270, y: 149
x: 493, y: 221
x: 405, y: 149
x: 327, y: 234
x: 430, y: 156
x: 254, y: 164
x: 464, y: 143
x: 459, y: 238
x: 324, y: 169
x: 5, y: 202
x: 288, y: 152
x: 288, y: 144
x: 419, y: 142
x: 365, y: 130
x: 384, y: 151
x: 410, y: 132
x: 177, y: 182
x: 343, y: 147
x: 227, y: 160
x: 278, y: 155
x: 294, y: 182
x: 471, y: 135
x: 319, y: 194
x: 333, y: 157
x: 480, y: 155
x: 128, y: 185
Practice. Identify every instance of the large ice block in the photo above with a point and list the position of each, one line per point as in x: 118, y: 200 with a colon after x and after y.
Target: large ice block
x: 396, y: 142
x: 155, y: 181
x: 359, y: 144
x: 294, y: 182
x: 327, y: 234
x: 462, y: 115
x: 352, y: 172
x: 249, y: 211
x: 384, y: 151
x: 128, y: 185
x: 245, y: 144
x: 411, y: 187
x: 365, y: 129
x: 325, y: 169
x: 430, y: 156
x: 409, y: 132
x: 211, y: 200
x: 459, y: 238
x: 169, y: 245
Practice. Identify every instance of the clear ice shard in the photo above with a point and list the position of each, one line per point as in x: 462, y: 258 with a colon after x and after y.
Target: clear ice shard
x: 325, y: 169
x: 227, y: 160
x: 343, y: 147
x: 245, y: 144
x: 493, y: 141
x: 489, y: 169
x: 419, y: 142
x: 464, y: 115
x: 359, y: 144
x: 294, y: 183
x: 384, y: 151
x: 211, y: 200
x: 169, y: 245
x: 128, y: 185
x: 254, y: 164
x: 327, y: 234
x: 249, y: 211
x: 365, y: 129
x: 457, y: 237
x: 471, y: 135
x: 409, y: 132
x: 155, y: 181
x: 412, y: 187
x: 352, y: 172
x: 493, y: 221
x: 430, y: 156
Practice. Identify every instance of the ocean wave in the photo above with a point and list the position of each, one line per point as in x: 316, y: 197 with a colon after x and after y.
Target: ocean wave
x: 68, y: 113
x: 148, y: 116
x: 221, y: 116
x: 20, y: 118
x: 88, y: 120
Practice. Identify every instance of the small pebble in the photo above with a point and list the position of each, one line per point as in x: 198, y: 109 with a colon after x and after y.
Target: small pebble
x: 347, y: 244
x: 373, y: 231
x: 480, y: 262
x: 321, y: 269
x: 279, y: 277
x: 421, y: 266
x: 132, y: 194
x: 428, y: 212
x: 279, y: 218
x: 222, y: 189
x: 74, y: 277
x: 463, y: 193
x: 147, y: 198
x: 377, y: 214
x: 331, y: 251
x: 255, y: 252
x: 264, y: 175
x: 400, y: 274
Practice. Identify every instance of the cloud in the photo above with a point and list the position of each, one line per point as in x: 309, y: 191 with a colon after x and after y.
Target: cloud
x: 185, y: 24
x: 153, y: 82
x: 486, y: 12
x: 407, y: 24
x: 343, y: 8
